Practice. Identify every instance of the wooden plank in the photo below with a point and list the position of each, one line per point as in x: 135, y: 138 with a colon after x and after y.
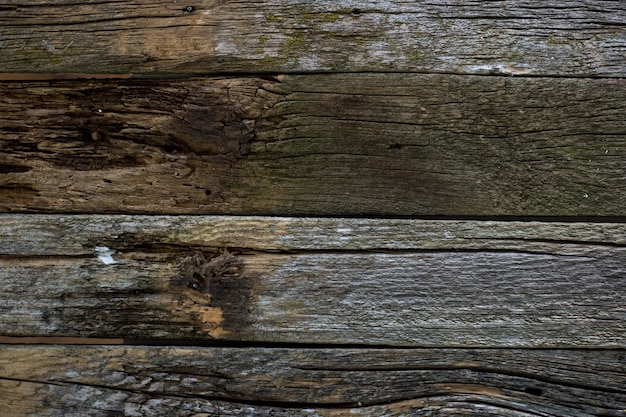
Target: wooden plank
x: 323, y: 145
x: 78, y: 235
x: 166, y: 381
x: 149, y: 37
x: 498, y: 285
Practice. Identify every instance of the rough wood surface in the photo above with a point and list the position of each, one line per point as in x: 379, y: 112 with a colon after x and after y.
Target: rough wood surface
x: 343, y: 144
x: 187, y: 381
x: 373, y: 282
x: 78, y: 235
x: 152, y: 37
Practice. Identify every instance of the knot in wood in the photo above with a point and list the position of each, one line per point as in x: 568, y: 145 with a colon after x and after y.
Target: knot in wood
x: 218, y: 292
x: 198, y: 272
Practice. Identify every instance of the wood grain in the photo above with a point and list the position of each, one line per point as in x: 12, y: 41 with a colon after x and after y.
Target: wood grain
x: 498, y: 285
x: 78, y: 235
x: 319, y: 145
x: 522, y: 37
x: 186, y: 381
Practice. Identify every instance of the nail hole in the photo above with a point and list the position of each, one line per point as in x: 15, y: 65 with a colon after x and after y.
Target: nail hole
x: 533, y: 391
x: 189, y: 9
x: 207, y: 192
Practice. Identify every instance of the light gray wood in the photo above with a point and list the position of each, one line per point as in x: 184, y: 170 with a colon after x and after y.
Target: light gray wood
x: 521, y: 37
x: 77, y: 235
x: 317, y: 145
x: 512, y: 289
x: 204, y: 381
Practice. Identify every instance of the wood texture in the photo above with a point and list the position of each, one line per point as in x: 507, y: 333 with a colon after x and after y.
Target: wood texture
x: 151, y: 37
x: 401, y: 283
x: 187, y: 381
x: 78, y: 235
x: 425, y: 109
x: 342, y: 144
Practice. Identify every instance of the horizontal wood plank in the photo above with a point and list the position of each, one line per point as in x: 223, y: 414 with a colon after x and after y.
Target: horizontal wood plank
x: 49, y: 235
x: 394, y: 282
x: 320, y: 145
x: 151, y: 37
x: 186, y: 381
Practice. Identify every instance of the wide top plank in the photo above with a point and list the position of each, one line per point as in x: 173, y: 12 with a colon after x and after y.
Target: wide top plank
x: 147, y: 37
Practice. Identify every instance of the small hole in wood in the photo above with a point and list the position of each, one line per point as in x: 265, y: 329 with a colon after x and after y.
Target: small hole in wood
x: 189, y: 9
x: 533, y: 391
x: 207, y: 192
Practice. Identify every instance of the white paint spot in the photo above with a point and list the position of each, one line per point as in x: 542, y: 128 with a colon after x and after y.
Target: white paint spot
x: 105, y: 255
x: 49, y: 47
x: 226, y: 47
x: 448, y: 234
x: 501, y: 69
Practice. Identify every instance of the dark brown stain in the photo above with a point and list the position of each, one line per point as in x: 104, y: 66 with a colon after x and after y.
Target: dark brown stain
x: 8, y: 168
x: 222, y: 278
x: 13, y: 191
x: 101, y: 132
x: 49, y: 77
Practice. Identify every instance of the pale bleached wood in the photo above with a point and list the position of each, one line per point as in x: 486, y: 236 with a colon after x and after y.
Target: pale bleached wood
x: 163, y: 381
x: 518, y: 37
x: 318, y: 145
x: 558, y: 290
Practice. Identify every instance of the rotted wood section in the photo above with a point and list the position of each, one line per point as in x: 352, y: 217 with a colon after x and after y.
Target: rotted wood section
x: 318, y: 145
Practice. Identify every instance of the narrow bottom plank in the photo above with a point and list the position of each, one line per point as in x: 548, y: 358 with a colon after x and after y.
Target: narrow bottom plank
x: 211, y: 381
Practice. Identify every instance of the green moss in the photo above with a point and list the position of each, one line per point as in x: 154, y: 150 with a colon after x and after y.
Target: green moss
x: 297, y: 29
x: 271, y: 17
x: 262, y: 40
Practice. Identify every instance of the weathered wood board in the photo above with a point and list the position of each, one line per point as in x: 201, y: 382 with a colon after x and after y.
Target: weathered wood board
x: 409, y: 133
x: 373, y: 282
x: 571, y: 38
x: 193, y: 381
x: 320, y: 145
